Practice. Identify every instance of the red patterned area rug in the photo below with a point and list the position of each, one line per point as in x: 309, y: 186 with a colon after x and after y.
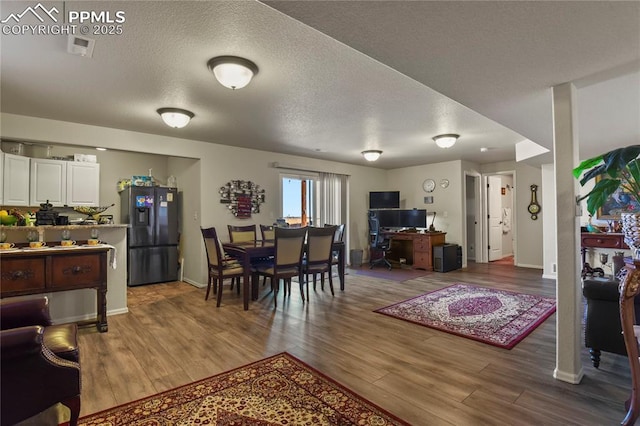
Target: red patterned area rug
x: 497, y: 317
x: 280, y: 390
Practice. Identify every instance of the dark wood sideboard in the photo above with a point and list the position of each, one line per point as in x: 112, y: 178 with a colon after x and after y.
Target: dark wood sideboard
x: 598, y: 240
x: 51, y: 270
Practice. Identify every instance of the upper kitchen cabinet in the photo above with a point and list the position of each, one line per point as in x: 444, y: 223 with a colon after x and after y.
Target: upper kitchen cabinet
x: 48, y: 182
x: 15, y: 180
x: 83, y: 184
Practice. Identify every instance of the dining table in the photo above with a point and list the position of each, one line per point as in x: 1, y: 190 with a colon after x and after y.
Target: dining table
x: 253, y: 252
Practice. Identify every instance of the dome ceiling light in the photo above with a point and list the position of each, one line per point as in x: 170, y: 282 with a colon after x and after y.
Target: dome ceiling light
x: 232, y: 71
x: 371, y: 154
x: 175, y: 117
x: 446, y: 141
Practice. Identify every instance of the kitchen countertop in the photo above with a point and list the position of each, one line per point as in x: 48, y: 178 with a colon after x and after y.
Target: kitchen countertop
x: 58, y: 227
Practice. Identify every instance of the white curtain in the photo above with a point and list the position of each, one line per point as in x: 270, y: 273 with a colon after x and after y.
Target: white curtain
x: 332, y: 199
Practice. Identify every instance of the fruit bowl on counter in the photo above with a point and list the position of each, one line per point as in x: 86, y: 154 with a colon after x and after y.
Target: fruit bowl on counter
x: 92, y: 212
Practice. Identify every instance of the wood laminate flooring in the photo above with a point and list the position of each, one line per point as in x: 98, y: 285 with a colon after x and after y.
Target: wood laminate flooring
x: 172, y: 336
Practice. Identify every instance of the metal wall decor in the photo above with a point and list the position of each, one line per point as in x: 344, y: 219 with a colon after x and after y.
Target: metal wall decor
x: 243, y: 197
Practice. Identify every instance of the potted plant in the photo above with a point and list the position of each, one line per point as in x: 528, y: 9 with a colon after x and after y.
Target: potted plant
x: 618, y: 172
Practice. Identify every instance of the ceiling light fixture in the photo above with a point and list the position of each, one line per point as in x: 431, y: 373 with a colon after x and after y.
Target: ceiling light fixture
x: 371, y: 154
x: 175, y: 117
x: 232, y: 71
x: 99, y: 148
x: 446, y: 141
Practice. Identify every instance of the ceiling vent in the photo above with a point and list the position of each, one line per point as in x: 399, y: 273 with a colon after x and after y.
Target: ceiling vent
x: 81, y: 46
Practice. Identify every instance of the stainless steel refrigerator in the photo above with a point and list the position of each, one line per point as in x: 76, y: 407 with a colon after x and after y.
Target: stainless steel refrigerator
x: 152, y: 234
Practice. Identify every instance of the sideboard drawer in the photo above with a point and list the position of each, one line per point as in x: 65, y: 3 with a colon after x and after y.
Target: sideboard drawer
x: 22, y: 274
x: 613, y: 241
x: 79, y: 271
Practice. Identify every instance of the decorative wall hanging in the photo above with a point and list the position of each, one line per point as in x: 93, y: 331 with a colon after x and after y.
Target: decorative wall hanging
x: 243, y: 197
x: 534, y: 207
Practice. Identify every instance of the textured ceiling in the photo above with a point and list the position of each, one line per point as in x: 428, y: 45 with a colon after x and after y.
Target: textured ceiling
x: 375, y: 80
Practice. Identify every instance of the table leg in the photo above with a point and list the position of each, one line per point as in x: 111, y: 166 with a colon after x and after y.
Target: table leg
x: 245, y: 280
x: 341, y: 267
x: 101, y: 323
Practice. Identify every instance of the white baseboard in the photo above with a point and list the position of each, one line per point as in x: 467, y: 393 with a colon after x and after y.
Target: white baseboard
x: 524, y: 265
x: 574, y: 379
x: 194, y: 283
x: 90, y: 317
x: 549, y: 276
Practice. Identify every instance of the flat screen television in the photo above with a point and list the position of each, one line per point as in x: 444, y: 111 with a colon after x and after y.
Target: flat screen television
x: 384, y: 199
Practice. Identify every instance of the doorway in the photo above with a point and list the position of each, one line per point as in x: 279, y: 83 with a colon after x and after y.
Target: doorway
x: 500, y: 219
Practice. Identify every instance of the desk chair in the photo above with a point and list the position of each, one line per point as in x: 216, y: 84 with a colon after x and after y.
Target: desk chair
x: 378, y: 242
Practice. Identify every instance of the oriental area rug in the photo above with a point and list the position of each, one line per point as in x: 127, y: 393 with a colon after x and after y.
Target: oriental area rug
x: 280, y: 390
x: 497, y: 317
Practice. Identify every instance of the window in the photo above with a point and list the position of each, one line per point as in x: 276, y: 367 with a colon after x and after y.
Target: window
x: 298, y: 195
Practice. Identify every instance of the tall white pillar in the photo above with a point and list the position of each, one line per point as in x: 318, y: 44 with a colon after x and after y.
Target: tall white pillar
x: 568, y: 284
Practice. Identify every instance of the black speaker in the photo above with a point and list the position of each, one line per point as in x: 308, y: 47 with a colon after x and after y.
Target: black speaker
x: 447, y: 257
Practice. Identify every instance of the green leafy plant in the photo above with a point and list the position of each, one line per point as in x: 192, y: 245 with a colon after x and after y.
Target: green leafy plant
x: 617, y: 169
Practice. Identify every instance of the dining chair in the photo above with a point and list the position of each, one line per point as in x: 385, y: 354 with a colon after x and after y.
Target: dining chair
x: 287, y: 262
x: 238, y: 234
x: 338, y: 238
x: 629, y: 289
x: 319, y: 255
x: 267, y: 232
x: 220, y: 267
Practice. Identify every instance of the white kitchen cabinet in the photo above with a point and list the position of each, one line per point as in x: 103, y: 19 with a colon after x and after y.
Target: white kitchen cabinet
x: 83, y: 184
x: 15, y: 180
x: 48, y: 182
x: 1, y: 177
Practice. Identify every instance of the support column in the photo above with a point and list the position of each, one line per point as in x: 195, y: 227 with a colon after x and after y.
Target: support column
x: 568, y: 284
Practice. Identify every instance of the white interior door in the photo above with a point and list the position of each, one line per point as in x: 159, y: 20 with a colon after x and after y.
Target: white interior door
x: 495, y: 218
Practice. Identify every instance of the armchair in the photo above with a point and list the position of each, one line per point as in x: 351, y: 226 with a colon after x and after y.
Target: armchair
x: 39, y: 361
x: 603, y: 330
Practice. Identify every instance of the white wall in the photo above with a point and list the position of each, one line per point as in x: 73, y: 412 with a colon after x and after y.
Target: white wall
x: 218, y: 165
x: 447, y: 202
x: 529, y: 246
x: 549, y: 230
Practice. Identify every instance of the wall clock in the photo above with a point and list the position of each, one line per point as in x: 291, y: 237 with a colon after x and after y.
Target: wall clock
x: 534, y: 207
x: 429, y: 185
x: 444, y: 183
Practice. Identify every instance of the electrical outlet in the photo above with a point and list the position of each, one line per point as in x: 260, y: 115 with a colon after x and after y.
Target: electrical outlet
x: 195, y: 215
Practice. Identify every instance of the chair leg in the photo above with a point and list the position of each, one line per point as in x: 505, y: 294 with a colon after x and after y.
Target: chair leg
x: 74, y: 407
x: 206, y: 297
x: 303, y: 283
x: 331, y: 283
x: 322, y: 280
x: 275, y: 283
x: 220, y: 281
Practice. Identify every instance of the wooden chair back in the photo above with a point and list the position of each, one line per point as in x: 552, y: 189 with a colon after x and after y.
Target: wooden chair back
x: 289, y: 247
x: 319, y: 244
x: 267, y: 232
x: 238, y: 234
x: 629, y: 289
